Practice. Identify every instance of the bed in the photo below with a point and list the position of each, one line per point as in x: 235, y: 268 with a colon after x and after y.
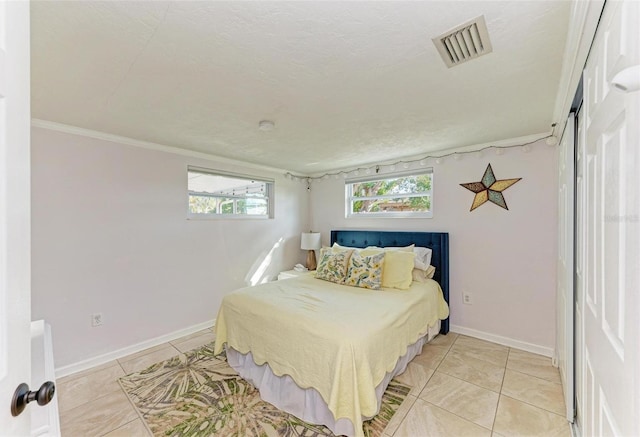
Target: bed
x: 326, y: 352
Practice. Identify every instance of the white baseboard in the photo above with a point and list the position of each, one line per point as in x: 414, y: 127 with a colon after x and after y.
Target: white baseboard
x: 506, y: 341
x: 110, y: 356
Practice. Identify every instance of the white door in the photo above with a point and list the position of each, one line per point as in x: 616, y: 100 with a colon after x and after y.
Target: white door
x: 565, y: 264
x: 611, y: 216
x: 15, y: 252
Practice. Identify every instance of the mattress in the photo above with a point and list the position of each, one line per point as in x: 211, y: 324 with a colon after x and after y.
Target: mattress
x: 341, y: 341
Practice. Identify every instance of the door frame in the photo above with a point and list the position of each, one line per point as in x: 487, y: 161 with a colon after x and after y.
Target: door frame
x: 565, y: 300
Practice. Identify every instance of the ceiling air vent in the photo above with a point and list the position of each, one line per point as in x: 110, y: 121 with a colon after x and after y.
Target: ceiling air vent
x: 465, y: 42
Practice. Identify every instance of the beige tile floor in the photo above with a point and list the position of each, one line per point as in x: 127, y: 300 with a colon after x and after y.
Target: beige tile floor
x: 461, y: 386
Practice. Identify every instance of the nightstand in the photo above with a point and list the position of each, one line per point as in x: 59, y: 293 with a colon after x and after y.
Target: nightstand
x: 291, y: 274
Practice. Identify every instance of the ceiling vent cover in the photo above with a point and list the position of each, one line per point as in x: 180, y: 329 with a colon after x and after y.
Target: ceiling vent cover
x: 465, y: 42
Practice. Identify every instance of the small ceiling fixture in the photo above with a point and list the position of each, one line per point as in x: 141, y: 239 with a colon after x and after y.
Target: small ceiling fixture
x: 464, y: 42
x: 266, y: 125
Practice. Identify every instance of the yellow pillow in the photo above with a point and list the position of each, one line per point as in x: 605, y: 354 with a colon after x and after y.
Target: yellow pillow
x: 365, y: 271
x: 333, y: 265
x: 398, y: 266
x: 337, y: 248
x: 398, y: 263
x: 369, y: 251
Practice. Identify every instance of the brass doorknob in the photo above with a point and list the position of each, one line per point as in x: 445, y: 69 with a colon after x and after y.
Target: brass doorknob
x: 22, y: 396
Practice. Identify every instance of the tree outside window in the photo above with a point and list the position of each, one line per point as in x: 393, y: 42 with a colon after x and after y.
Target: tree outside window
x: 402, y: 195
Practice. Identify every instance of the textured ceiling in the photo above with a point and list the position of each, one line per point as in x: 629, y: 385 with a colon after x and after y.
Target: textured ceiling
x: 346, y: 83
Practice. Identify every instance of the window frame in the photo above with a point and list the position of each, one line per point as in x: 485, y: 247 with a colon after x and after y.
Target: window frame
x: 349, y: 198
x: 269, y: 196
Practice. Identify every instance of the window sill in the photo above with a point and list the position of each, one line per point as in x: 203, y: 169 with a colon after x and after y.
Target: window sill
x: 206, y: 217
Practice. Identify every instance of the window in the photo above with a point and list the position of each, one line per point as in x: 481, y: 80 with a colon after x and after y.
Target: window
x: 400, y: 195
x: 217, y: 194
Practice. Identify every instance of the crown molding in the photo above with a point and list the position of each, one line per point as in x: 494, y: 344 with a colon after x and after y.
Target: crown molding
x: 65, y: 128
x: 582, y: 27
x: 60, y: 127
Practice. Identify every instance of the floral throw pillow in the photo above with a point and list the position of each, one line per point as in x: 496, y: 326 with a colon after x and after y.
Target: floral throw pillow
x: 365, y: 271
x: 333, y: 266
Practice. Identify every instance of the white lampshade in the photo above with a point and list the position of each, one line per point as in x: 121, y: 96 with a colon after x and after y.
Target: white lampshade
x: 310, y: 241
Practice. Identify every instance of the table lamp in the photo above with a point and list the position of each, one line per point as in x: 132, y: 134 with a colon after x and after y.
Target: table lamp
x: 310, y: 241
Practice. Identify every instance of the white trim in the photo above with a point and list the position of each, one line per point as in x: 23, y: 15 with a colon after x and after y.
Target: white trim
x: 110, y: 356
x: 267, y: 195
x: 583, y: 23
x: 506, y: 341
x: 228, y: 174
x: 59, y: 127
x: 389, y: 215
x: 44, y: 421
x: 389, y: 175
x: 575, y: 429
x: 204, y: 216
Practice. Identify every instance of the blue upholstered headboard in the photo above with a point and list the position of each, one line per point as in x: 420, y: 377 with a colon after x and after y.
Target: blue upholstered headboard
x: 437, y: 241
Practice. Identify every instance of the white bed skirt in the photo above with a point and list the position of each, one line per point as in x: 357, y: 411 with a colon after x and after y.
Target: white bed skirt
x: 307, y: 404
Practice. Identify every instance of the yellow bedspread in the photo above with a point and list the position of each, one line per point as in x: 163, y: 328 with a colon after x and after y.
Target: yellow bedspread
x: 337, y: 339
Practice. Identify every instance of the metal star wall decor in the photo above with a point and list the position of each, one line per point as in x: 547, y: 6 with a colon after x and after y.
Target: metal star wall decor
x: 489, y: 189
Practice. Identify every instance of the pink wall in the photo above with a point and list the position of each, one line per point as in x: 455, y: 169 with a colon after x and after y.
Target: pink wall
x: 110, y: 235
x: 507, y: 259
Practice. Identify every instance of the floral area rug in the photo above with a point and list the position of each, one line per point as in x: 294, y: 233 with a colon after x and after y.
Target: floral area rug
x: 198, y: 394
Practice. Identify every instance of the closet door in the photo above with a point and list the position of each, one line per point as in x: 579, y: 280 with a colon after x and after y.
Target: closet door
x: 611, y: 216
x: 565, y: 290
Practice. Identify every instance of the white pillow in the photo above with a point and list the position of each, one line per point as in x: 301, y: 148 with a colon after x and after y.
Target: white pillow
x: 423, y: 257
x: 423, y: 275
x: 422, y: 260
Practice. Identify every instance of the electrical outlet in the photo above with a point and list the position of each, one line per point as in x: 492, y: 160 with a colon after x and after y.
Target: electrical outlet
x: 96, y: 319
x: 466, y: 298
